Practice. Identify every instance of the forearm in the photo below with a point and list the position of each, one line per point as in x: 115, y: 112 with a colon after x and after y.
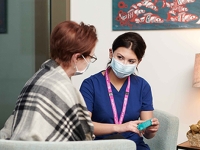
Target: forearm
x: 105, y: 128
x: 149, y: 135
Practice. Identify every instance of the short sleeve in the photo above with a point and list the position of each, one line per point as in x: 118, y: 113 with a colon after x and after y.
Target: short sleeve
x: 147, y: 99
x: 87, y: 91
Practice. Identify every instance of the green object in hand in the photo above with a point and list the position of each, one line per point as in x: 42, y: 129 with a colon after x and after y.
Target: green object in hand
x: 144, y: 125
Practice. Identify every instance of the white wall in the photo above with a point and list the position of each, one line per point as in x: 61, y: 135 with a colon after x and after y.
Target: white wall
x: 167, y: 64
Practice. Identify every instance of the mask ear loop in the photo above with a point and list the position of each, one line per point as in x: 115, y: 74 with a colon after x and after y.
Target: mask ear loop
x: 75, y: 66
x: 85, y: 59
x: 75, y: 61
x: 110, y: 57
x: 137, y: 65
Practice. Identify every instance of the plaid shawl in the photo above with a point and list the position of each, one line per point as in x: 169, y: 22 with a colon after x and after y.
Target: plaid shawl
x: 49, y: 108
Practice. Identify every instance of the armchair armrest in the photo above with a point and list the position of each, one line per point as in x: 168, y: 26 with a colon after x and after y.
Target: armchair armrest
x: 118, y: 144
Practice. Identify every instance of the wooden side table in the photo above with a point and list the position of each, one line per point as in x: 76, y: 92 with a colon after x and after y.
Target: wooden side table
x: 186, y: 145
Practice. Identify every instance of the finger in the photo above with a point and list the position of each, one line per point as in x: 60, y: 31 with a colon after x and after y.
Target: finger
x: 153, y: 128
x: 137, y: 122
x: 140, y: 134
x: 155, y: 122
x: 135, y: 129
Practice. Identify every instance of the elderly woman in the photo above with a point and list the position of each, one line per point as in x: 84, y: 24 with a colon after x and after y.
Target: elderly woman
x: 49, y: 107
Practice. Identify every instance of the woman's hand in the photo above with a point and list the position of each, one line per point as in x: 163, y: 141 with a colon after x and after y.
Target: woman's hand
x: 129, y: 126
x: 151, y: 131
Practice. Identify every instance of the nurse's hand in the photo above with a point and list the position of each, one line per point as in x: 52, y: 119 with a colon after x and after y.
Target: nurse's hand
x: 151, y: 131
x: 130, y: 126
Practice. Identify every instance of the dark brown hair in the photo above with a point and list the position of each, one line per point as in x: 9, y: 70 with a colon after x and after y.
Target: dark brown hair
x: 133, y: 40
x: 69, y: 38
x: 130, y: 40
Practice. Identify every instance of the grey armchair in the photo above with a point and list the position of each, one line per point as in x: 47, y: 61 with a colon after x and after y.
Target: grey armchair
x: 78, y: 145
x: 165, y: 139
x: 167, y: 135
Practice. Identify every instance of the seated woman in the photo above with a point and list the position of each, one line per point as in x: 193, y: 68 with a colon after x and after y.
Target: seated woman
x: 49, y: 107
x: 118, y: 99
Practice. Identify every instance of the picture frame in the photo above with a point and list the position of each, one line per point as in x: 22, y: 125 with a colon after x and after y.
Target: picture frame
x: 155, y: 14
x: 3, y: 16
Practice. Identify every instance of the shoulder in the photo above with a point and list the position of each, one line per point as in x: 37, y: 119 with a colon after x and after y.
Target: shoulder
x: 95, y: 77
x: 50, y: 77
x: 93, y: 81
x: 137, y: 80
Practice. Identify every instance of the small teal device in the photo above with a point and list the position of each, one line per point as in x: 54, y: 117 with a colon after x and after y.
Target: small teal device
x: 144, y: 125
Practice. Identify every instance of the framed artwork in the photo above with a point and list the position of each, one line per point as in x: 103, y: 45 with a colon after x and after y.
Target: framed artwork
x: 155, y: 14
x: 3, y: 25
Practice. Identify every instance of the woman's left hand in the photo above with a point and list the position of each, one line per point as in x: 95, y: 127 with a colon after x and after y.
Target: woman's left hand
x: 150, y: 131
x: 155, y: 125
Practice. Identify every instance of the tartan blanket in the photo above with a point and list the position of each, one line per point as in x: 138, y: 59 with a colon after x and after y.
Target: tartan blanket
x: 49, y: 108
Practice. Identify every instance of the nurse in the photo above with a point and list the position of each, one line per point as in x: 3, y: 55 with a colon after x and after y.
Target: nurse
x: 117, y: 99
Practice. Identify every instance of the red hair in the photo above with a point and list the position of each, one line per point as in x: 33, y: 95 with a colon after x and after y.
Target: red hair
x: 69, y: 38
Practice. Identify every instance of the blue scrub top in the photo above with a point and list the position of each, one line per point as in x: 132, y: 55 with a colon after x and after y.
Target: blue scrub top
x: 95, y: 93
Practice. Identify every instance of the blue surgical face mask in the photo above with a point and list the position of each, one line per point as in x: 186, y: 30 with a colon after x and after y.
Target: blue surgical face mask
x: 121, y: 70
x: 81, y: 72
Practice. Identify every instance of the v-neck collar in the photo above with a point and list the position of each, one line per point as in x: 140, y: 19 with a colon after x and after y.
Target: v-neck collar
x: 123, y: 87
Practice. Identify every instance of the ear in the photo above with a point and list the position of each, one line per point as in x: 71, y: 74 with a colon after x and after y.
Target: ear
x: 75, y: 57
x: 139, y: 61
x: 110, y: 53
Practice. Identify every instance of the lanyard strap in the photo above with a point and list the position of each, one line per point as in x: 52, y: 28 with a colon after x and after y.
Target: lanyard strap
x: 112, y: 99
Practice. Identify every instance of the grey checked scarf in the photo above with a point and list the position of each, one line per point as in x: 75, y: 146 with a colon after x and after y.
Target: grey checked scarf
x: 49, y: 108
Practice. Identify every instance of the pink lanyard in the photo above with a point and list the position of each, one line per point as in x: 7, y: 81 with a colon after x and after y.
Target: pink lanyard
x: 113, y: 102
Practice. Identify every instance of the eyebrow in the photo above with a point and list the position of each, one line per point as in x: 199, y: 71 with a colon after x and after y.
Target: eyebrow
x: 124, y: 57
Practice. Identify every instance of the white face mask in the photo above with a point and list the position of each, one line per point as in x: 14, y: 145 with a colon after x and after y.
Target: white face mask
x: 121, y: 70
x: 81, y: 72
